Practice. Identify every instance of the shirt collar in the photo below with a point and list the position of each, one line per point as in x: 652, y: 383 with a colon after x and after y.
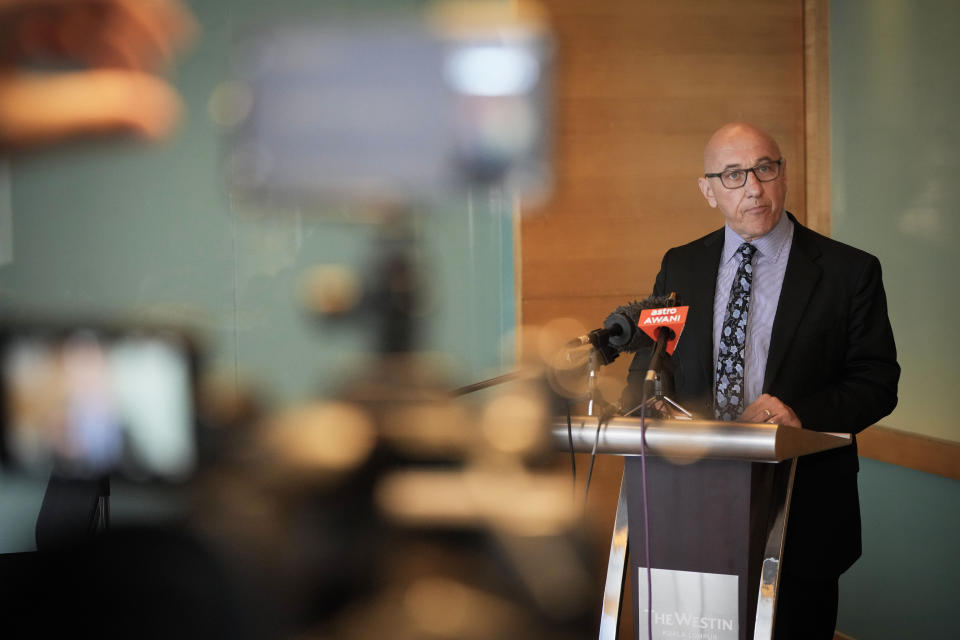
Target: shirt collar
x: 769, y: 246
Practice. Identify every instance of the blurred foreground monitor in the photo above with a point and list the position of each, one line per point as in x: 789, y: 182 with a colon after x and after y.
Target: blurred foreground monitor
x: 365, y: 109
x: 88, y: 400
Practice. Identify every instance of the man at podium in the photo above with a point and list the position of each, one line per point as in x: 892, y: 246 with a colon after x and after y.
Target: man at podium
x: 789, y: 327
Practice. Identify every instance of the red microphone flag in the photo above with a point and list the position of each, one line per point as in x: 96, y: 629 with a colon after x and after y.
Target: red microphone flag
x: 671, y: 317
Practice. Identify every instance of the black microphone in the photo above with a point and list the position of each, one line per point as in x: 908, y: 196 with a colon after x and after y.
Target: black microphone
x: 620, y: 328
x: 664, y: 335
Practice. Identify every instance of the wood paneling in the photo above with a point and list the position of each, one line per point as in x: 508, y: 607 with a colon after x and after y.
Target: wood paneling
x: 912, y: 450
x: 641, y: 87
x: 816, y: 57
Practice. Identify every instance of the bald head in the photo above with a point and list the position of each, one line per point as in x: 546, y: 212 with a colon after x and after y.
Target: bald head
x: 733, y: 136
x: 739, y: 149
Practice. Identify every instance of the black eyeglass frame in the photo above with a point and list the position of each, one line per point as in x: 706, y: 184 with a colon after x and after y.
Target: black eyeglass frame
x: 778, y: 162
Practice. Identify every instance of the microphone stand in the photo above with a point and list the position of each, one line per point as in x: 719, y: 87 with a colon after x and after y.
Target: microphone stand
x: 594, y: 399
x: 593, y: 381
x: 658, y: 400
x: 661, y: 402
x: 596, y: 360
x: 490, y: 382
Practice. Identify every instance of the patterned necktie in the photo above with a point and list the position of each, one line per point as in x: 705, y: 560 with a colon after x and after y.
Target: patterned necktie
x: 733, y: 335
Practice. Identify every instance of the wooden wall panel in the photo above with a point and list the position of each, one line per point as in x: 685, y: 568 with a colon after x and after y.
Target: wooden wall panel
x: 641, y: 86
x: 817, y: 111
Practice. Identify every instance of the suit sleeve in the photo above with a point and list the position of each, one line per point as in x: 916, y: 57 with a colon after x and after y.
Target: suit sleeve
x: 864, y: 389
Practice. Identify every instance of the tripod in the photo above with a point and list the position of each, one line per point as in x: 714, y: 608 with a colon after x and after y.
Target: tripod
x: 74, y: 511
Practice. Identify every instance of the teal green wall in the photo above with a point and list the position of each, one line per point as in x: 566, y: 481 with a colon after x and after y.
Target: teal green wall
x: 895, y: 133
x: 131, y: 232
x: 148, y: 232
x: 907, y: 582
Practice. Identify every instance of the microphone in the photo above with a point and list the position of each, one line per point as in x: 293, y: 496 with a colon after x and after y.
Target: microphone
x: 620, y: 328
x: 664, y: 325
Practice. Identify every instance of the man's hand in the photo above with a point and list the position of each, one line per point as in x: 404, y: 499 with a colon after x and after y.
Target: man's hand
x: 770, y: 409
x: 114, y: 50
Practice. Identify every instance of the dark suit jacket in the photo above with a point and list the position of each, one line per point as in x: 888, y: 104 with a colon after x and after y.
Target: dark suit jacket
x: 832, y: 359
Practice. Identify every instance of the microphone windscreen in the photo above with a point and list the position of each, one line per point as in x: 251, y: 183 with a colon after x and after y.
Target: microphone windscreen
x: 628, y: 315
x: 621, y: 326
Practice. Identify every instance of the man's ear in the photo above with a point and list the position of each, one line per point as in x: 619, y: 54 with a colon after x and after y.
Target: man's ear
x: 707, y: 190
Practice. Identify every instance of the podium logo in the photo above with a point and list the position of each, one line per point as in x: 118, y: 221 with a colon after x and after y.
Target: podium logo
x: 678, y: 624
x: 688, y: 605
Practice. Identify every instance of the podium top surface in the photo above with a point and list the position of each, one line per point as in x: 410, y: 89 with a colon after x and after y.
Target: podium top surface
x: 695, y: 439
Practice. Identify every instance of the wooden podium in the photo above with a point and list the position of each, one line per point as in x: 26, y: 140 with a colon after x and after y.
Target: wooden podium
x: 718, y: 497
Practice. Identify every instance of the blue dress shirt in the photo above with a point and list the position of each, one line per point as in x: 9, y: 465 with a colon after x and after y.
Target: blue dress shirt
x: 769, y: 265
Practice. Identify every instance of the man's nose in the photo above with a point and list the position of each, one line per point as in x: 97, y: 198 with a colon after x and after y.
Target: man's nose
x: 753, y: 186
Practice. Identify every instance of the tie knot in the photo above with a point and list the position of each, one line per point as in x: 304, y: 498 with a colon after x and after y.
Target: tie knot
x: 746, y: 251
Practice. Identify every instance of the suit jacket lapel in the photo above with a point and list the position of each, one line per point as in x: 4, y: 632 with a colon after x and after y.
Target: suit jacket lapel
x: 704, y: 281
x: 801, y: 278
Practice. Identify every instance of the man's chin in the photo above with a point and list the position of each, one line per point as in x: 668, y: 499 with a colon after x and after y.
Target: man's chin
x: 757, y: 222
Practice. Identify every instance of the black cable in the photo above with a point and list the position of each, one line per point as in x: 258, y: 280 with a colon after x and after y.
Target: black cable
x: 646, y: 515
x: 593, y: 458
x: 573, y: 457
x: 646, y: 520
x: 602, y: 419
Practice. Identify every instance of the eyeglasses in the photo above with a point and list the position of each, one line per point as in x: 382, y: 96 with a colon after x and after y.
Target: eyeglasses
x: 736, y: 178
